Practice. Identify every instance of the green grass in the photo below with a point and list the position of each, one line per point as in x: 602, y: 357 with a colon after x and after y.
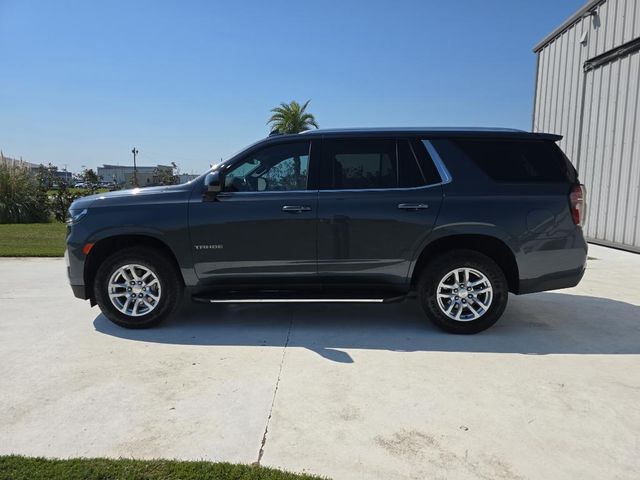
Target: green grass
x: 32, y: 239
x: 82, y: 191
x: 15, y: 467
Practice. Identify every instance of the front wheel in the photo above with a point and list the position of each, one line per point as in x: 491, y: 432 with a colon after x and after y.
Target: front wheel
x: 463, y: 291
x: 137, y: 287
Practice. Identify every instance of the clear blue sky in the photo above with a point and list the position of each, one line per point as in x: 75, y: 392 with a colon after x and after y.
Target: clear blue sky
x: 82, y: 82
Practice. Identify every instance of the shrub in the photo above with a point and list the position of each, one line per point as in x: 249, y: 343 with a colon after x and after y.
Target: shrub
x: 61, y: 200
x: 21, y: 198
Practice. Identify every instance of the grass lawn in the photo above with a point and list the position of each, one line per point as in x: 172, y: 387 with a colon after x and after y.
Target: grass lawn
x: 15, y: 467
x: 32, y: 239
x: 82, y: 191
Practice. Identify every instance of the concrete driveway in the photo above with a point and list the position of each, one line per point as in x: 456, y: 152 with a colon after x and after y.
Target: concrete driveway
x: 351, y: 392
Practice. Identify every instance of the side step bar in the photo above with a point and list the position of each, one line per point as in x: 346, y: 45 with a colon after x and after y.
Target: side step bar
x: 298, y: 297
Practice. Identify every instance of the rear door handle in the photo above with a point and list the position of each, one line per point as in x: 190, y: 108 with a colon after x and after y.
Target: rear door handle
x: 295, y: 208
x: 413, y: 206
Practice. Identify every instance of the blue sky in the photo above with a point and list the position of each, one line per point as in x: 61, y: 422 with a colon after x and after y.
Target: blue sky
x: 82, y: 82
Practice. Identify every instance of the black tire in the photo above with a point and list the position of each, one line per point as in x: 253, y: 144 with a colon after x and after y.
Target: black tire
x: 435, y: 271
x: 161, y: 266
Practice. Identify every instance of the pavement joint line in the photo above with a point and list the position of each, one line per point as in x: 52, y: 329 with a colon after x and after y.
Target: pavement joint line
x: 273, y: 400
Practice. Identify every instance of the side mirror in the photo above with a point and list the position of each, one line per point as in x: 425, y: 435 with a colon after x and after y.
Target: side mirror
x: 213, y: 182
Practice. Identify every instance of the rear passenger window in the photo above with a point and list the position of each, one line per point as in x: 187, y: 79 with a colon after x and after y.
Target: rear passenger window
x: 360, y: 164
x: 428, y: 168
x: 518, y: 160
x: 374, y: 164
x: 410, y: 174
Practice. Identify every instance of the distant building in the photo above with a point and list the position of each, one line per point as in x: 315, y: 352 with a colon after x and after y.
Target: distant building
x: 123, y: 174
x: 186, y: 177
x: 64, y: 176
x: 61, y: 175
x: 12, y: 162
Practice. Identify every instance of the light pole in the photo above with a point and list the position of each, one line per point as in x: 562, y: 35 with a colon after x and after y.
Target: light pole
x: 135, y: 169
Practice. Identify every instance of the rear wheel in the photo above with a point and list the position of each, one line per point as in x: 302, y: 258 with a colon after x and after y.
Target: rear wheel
x: 463, y: 291
x: 137, y: 287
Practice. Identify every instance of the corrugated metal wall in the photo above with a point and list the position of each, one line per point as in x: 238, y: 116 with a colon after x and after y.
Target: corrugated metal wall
x: 597, y: 113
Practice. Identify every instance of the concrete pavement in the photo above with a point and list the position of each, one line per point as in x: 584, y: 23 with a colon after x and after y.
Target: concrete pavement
x: 352, y: 392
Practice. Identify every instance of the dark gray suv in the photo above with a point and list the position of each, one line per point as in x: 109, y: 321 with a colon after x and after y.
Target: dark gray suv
x: 457, y: 217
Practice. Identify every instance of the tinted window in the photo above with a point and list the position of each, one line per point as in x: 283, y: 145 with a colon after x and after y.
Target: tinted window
x: 360, y: 164
x: 275, y: 168
x: 371, y: 164
x: 428, y: 168
x: 519, y: 160
x: 409, y: 173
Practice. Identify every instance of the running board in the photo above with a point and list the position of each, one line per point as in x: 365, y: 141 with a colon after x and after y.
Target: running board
x: 298, y: 297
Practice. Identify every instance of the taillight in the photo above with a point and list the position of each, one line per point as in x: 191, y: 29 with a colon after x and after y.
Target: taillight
x: 578, y: 204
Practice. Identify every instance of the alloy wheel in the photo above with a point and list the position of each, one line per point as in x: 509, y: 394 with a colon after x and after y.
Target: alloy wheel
x: 134, y: 290
x: 464, y: 294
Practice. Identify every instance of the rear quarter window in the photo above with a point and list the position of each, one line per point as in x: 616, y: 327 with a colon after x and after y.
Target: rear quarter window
x: 519, y: 161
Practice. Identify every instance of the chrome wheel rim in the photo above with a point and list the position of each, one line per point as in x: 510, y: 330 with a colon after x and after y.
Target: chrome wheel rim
x: 464, y: 294
x: 134, y: 290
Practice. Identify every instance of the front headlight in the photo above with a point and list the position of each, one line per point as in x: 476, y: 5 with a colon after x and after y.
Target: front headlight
x: 75, y: 215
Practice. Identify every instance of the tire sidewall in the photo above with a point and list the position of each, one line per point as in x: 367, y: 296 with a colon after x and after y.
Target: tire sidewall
x: 154, y: 261
x: 435, y: 272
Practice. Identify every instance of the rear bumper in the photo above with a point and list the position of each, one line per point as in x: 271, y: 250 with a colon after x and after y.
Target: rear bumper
x: 552, y: 281
x: 552, y: 264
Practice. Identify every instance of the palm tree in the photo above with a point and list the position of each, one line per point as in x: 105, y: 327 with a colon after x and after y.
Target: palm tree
x: 292, y: 118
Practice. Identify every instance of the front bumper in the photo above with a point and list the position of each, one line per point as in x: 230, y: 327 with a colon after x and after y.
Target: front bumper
x: 75, y: 261
x: 80, y: 291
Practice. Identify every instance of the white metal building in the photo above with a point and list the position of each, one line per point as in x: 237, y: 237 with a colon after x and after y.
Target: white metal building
x: 123, y: 174
x: 588, y: 90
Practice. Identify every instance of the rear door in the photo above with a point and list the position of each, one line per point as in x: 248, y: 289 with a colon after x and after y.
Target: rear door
x: 378, y: 200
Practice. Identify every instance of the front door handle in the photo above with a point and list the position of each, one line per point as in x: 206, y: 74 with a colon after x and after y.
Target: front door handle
x: 296, y: 208
x: 413, y: 206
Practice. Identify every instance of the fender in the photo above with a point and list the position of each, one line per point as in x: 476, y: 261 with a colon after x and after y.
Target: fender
x: 176, y: 245
x: 443, y: 231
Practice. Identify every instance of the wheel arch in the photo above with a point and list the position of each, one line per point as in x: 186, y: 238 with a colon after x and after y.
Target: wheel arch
x: 493, y: 247
x: 108, y: 245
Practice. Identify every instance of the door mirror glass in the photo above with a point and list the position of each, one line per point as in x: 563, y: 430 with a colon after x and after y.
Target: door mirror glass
x: 262, y: 184
x: 212, y: 182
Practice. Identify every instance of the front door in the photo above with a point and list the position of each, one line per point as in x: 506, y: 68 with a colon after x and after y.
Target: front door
x: 378, y: 201
x: 263, y: 223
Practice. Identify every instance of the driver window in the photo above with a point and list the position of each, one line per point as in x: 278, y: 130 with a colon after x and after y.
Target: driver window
x: 275, y: 168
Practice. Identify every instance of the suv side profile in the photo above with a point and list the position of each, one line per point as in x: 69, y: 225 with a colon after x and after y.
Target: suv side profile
x: 458, y: 218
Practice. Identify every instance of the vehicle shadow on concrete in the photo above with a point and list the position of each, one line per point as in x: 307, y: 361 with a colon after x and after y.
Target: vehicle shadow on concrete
x: 538, y: 324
